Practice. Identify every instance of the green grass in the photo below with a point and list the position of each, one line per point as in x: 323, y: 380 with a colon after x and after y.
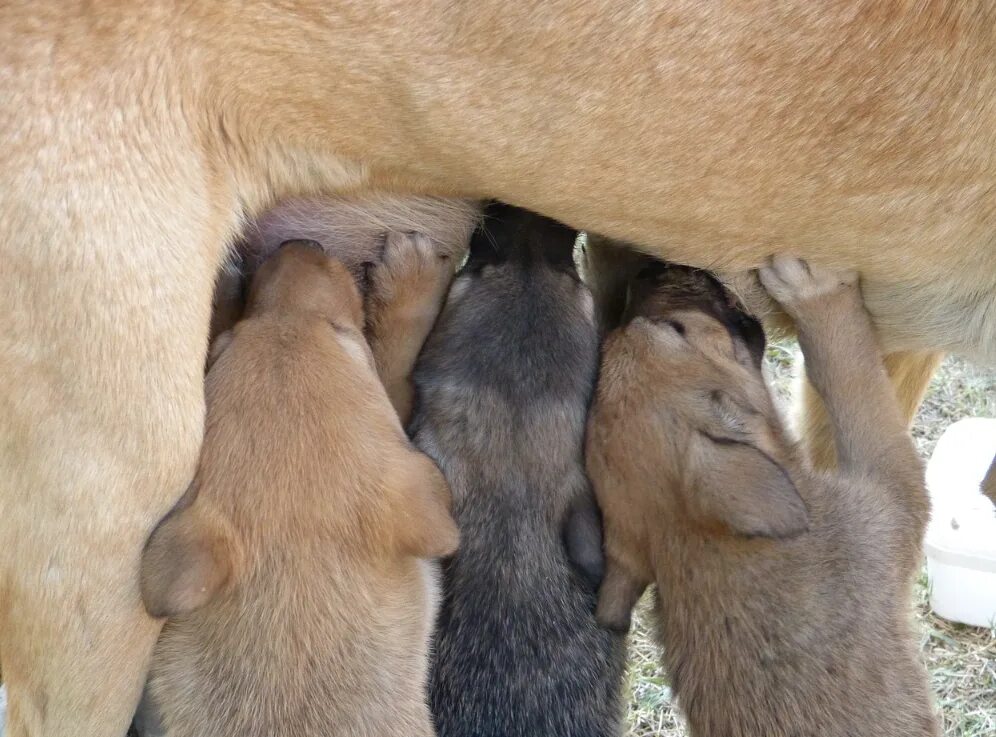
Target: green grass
x: 961, y: 659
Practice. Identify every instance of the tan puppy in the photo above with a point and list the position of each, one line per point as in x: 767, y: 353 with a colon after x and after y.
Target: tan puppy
x: 783, y: 594
x: 290, y: 570
x: 139, y: 136
x: 424, y: 238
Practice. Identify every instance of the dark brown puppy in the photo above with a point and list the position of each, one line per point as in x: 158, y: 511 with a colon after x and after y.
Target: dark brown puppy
x: 783, y: 593
x: 291, y: 571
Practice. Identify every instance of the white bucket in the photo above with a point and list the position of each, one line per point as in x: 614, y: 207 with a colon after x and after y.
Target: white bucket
x: 961, y: 538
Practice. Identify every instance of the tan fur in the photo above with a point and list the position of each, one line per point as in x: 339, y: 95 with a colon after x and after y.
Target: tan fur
x: 140, y: 136
x: 610, y: 265
x: 406, y: 294
x: 783, y: 592
x: 355, y: 232
x: 910, y: 374
x: 298, y: 604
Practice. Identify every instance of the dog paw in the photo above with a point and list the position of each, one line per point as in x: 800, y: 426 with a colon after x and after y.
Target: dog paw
x: 793, y: 282
x: 411, y: 269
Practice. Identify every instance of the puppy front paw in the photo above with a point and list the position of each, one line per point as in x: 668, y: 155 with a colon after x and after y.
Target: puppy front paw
x: 794, y: 283
x: 411, y: 273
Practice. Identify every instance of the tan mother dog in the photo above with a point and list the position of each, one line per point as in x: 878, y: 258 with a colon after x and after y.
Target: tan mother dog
x: 137, y: 136
x: 783, y: 593
x: 297, y: 604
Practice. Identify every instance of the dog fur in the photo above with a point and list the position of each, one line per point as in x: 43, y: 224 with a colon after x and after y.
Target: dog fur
x: 783, y: 593
x: 290, y: 571
x: 503, y: 386
x: 141, y: 137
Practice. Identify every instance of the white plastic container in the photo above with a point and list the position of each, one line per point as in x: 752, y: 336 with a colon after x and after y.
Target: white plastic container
x: 961, y: 538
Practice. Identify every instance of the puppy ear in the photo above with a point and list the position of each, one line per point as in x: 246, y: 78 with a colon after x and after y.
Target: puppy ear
x: 583, y: 541
x: 617, y: 596
x: 735, y: 485
x: 187, y: 559
x: 423, y: 524
x: 218, y: 346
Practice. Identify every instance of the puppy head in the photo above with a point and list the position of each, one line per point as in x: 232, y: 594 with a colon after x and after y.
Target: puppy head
x: 519, y: 263
x: 721, y: 444
x: 301, y: 278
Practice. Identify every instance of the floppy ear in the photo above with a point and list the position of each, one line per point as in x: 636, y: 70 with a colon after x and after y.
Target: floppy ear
x: 187, y: 559
x: 423, y: 525
x: 217, y: 347
x: 583, y: 540
x: 617, y: 596
x: 735, y: 485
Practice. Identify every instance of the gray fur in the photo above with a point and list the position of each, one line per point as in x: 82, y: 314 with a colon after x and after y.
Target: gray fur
x: 502, y: 391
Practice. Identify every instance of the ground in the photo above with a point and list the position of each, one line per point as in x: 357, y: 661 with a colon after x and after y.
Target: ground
x: 961, y: 660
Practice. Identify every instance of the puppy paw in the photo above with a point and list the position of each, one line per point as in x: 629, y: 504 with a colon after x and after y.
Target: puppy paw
x: 410, y: 270
x: 794, y: 283
x: 406, y: 290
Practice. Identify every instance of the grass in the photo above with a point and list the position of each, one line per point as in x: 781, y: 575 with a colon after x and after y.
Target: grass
x: 961, y: 660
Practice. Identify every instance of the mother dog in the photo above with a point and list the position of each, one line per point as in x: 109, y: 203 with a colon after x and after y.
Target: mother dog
x: 136, y: 137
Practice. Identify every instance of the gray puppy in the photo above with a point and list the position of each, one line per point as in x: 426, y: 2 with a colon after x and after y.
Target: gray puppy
x: 503, y: 387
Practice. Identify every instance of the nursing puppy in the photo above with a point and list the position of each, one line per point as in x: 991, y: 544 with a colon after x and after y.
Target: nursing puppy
x: 783, y: 593
x: 139, y: 135
x: 349, y: 229
x: 400, y: 312
x: 502, y: 390
x: 291, y: 569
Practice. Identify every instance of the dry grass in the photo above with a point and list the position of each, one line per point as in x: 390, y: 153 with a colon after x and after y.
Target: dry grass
x: 961, y: 660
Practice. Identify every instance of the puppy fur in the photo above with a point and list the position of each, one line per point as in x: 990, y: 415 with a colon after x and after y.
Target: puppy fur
x: 140, y: 136
x: 503, y: 386
x: 295, y: 570
x: 783, y: 593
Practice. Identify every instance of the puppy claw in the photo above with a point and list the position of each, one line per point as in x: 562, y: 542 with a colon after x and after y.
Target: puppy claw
x: 410, y: 266
x: 792, y: 281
